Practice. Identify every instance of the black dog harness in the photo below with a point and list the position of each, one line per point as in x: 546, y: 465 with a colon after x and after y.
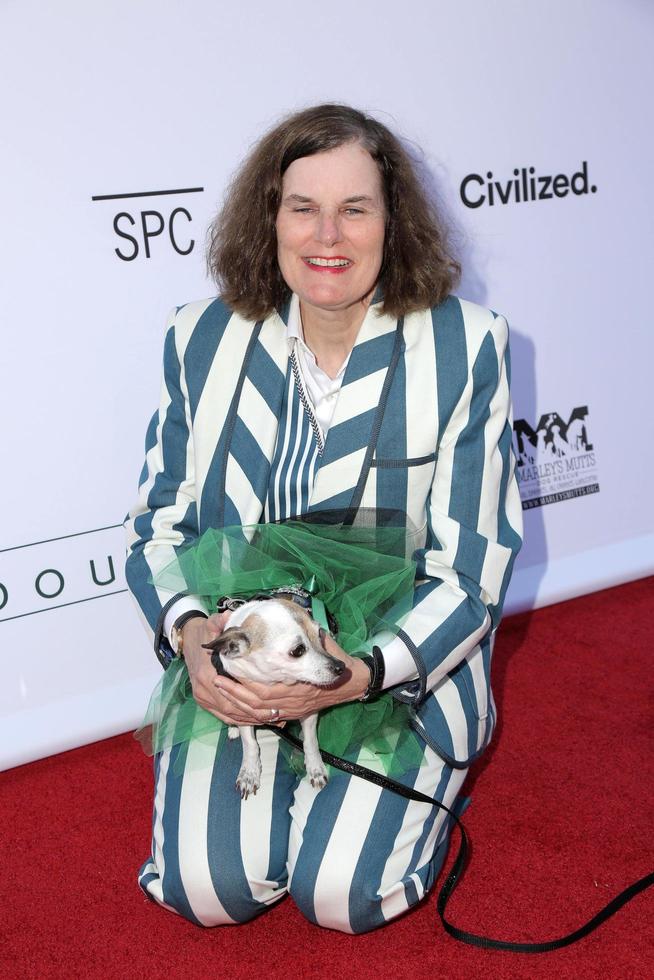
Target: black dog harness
x: 294, y: 593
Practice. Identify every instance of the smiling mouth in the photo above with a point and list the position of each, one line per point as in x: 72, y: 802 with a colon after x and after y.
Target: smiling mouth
x: 323, y: 263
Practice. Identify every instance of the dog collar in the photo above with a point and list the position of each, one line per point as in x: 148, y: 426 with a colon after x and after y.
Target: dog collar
x: 294, y: 593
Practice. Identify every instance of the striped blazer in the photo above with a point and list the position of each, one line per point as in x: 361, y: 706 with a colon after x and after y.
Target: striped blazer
x: 422, y: 424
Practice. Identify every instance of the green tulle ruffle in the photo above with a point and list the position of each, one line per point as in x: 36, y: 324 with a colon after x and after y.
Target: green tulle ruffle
x: 360, y: 574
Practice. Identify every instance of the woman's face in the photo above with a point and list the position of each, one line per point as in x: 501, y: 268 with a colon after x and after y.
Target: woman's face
x: 330, y: 227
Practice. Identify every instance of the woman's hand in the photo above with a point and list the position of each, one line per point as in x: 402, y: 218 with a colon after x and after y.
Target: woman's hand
x: 202, y: 672
x: 251, y: 703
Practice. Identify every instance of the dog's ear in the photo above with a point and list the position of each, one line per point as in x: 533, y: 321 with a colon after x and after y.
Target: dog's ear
x: 231, y: 643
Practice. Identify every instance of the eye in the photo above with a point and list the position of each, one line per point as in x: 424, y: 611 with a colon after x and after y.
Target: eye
x: 299, y: 650
x: 353, y: 211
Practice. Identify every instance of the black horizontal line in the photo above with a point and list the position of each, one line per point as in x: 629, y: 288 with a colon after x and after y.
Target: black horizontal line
x: 400, y: 463
x: 61, y: 605
x: 118, y: 197
x: 77, y: 534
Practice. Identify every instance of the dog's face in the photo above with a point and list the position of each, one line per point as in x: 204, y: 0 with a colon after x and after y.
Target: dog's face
x: 273, y: 641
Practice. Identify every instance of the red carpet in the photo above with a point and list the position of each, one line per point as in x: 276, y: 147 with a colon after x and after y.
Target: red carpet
x: 562, y: 818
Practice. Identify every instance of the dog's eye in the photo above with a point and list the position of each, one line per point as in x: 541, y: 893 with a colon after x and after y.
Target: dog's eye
x: 299, y: 650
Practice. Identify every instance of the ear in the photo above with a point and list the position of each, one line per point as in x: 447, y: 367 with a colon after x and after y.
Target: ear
x: 231, y: 643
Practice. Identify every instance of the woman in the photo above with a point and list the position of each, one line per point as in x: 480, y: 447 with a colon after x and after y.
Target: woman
x: 334, y: 371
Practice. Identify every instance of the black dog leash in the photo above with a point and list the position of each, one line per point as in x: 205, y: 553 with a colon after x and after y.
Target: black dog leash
x: 453, y: 878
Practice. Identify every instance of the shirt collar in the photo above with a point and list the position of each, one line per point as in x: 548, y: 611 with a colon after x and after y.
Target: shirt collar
x: 293, y: 320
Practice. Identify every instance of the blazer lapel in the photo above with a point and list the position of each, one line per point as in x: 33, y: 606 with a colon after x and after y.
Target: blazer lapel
x: 346, y: 457
x: 254, y: 422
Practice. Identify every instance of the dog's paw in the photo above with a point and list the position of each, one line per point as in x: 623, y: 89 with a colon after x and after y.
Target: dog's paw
x: 317, y: 775
x: 248, y: 781
x: 233, y: 732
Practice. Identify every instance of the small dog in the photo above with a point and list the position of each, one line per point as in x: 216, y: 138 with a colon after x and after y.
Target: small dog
x: 272, y: 641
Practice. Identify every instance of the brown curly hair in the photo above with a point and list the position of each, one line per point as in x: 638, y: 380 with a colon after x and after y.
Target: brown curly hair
x: 417, y: 269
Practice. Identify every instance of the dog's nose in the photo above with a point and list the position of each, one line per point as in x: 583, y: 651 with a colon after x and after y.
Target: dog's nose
x: 337, y: 667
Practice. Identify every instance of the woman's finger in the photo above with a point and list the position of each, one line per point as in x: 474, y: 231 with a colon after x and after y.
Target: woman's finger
x: 228, y: 713
x: 259, y: 695
x: 237, y: 694
x: 209, y: 696
x: 251, y: 715
x: 291, y: 702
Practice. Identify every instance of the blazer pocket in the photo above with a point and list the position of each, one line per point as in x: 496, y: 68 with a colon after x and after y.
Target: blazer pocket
x: 390, y: 464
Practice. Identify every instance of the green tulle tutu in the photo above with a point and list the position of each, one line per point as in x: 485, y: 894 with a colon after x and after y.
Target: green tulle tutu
x: 362, y: 575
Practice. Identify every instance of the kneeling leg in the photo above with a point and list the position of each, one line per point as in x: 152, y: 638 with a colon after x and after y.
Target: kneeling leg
x: 217, y: 859
x: 360, y: 855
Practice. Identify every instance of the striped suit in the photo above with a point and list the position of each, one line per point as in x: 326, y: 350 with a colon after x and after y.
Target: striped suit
x: 422, y: 424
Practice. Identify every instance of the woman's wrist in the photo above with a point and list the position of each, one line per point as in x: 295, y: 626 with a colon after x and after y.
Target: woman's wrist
x: 377, y: 669
x: 360, y: 678
x: 357, y: 683
x: 177, y: 630
x: 193, y: 634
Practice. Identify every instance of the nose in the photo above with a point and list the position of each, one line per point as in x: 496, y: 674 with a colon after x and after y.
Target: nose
x: 329, y: 229
x: 337, y: 666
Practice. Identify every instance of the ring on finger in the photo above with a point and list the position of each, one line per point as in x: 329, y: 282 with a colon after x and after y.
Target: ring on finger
x: 274, y: 714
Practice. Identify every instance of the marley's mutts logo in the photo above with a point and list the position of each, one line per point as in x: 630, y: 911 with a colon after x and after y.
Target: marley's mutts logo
x: 525, y: 185
x: 556, y: 461
x: 138, y: 229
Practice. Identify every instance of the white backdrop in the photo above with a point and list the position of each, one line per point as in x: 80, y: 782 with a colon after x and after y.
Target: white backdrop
x: 114, y: 99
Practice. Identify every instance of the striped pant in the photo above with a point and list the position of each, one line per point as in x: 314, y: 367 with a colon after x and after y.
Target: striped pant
x: 352, y: 855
